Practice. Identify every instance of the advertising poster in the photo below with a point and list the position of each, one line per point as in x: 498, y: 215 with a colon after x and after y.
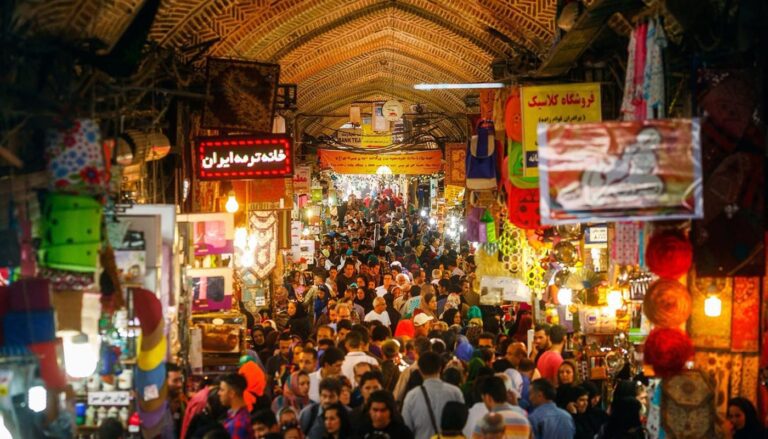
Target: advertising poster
x: 620, y: 171
x: 564, y: 103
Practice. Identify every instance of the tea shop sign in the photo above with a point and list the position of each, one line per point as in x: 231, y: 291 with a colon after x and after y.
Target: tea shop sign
x: 244, y: 157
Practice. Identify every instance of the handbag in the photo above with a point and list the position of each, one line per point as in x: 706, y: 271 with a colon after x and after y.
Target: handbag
x: 481, y: 158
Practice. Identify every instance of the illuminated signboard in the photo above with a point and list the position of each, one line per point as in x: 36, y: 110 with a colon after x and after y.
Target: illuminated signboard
x: 244, y: 157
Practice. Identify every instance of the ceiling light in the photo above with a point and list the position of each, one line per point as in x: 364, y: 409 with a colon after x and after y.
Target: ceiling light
x: 445, y: 86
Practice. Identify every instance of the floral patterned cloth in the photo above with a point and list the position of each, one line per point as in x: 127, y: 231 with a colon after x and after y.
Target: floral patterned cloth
x: 75, y: 158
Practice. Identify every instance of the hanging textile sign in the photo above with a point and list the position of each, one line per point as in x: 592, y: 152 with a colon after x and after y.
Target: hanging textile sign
x: 343, y: 162
x: 243, y: 95
x: 264, y: 226
x: 244, y: 157
x: 456, y: 164
x: 618, y: 171
x: 302, y: 179
x: 564, y: 103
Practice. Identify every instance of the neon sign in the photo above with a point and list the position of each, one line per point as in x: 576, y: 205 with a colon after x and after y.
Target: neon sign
x: 244, y: 157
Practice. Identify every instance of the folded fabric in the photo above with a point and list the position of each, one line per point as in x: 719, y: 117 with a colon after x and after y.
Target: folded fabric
x: 145, y: 378
x: 75, y: 158
x: 50, y: 354
x: 72, y: 227
x: 30, y: 294
x: 25, y: 328
x: 61, y: 202
x: 148, y: 360
x: 73, y: 257
x: 65, y: 280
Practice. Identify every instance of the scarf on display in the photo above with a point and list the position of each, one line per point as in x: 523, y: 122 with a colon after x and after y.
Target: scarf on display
x: 644, y: 81
x: 265, y: 226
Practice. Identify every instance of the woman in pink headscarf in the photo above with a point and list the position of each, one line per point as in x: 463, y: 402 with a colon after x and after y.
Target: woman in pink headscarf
x: 295, y: 393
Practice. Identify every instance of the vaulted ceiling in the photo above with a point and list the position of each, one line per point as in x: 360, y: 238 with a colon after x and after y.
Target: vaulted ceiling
x: 337, y: 51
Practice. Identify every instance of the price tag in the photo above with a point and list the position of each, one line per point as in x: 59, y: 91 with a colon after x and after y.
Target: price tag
x: 151, y: 392
x: 121, y: 398
x: 596, y: 236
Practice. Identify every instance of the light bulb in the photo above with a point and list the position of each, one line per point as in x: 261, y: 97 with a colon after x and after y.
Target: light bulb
x: 232, y: 204
x: 384, y: 170
x: 432, y: 221
x: 79, y: 358
x: 615, y: 300
x: 309, y: 212
x: 423, y: 213
x: 565, y: 296
x: 37, y: 398
x: 305, y: 232
x: 713, y: 306
x: 241, y: 237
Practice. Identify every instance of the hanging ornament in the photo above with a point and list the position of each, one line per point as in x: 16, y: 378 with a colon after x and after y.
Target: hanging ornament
x: 490, y: 226
x: 569, y: 231
x: 667, y: 350
x: 565, y: 253
x: 669, y: 254
x: 561, y: 277
x: 667, y: 303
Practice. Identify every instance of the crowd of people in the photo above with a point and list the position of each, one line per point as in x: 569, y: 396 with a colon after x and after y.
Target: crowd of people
x: 386, y: 338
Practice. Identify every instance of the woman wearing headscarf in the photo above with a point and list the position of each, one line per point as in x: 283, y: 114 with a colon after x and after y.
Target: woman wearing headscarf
x: 743, y: 417
x: 295, y: 391
x: 322, y: 295
x: 298, y: 320
x: 451, y: 316
x: 364, y: 299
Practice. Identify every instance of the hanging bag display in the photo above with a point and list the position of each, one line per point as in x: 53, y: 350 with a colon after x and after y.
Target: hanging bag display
x: 481, y: 158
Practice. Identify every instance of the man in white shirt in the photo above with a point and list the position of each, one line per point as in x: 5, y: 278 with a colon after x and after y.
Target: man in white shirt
x: 383, y: 289
x: 379, y: 312
x: 355, y: 354
x: 330, y: 366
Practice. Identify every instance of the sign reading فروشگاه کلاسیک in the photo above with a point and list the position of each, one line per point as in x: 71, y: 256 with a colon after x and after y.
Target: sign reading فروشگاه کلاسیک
x: 562, y: 103
x: 244, y: 157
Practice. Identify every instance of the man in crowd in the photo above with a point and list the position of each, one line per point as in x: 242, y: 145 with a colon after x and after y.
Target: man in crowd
x: 379, y: 312
x: 277, y: 363
x: 383, y: 418
x: 547, y: 420
x: 550, y: 361
x: 426, y: 402
x: 384, y: 287
x: 541, y: 341
x: 369, y: 382
x: 308, y: 360
x: 177, y: 400
x: 263, y: 423
x: 330, y: 367
x: 422, y: 324
x: 354, y: 343
x: 238, y: 422
x: 311, y: 419
x: 494, y: 395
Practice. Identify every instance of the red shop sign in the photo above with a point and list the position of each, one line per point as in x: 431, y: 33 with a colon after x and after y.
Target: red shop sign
x: 244, y: 157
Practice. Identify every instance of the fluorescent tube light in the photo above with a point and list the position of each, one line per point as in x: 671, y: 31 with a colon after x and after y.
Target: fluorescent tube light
x: 470, y: 85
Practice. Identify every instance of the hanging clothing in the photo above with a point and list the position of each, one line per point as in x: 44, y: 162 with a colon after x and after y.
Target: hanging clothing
x: 653, y: 77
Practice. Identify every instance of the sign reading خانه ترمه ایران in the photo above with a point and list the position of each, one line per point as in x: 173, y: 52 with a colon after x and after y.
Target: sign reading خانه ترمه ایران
x: 244, y: 157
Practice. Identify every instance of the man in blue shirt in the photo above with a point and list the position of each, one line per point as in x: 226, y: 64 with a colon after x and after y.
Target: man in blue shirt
x: 547, y: 420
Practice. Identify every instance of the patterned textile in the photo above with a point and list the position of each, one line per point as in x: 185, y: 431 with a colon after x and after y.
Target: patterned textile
x: 745, y: 326
x: 244, y: 95
x: 75, y: 158
x: 264, y: 226
x: 626, y: 244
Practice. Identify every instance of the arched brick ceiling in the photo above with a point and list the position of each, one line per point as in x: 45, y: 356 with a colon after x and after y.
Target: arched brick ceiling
x: 326, y: 46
